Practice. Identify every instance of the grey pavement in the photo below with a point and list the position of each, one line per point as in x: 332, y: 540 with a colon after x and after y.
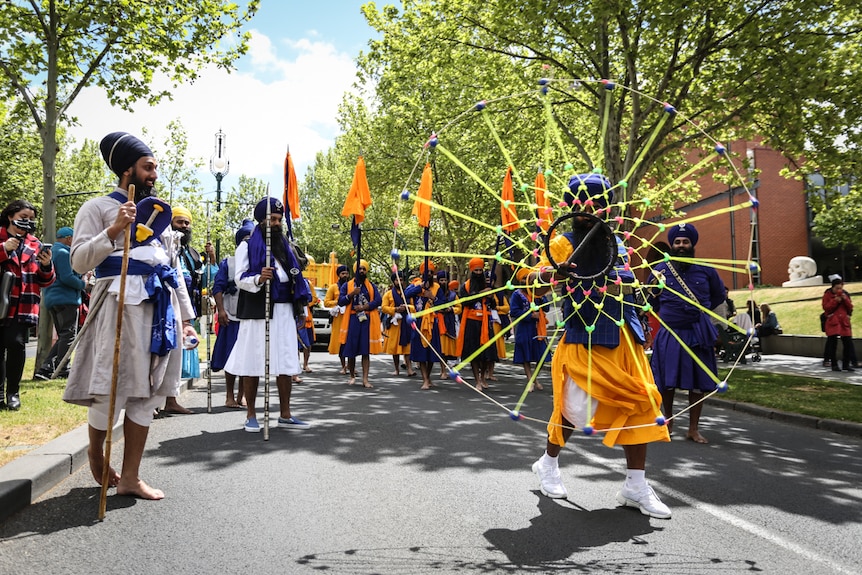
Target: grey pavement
x: 26, y: 479
x: 395, y: 480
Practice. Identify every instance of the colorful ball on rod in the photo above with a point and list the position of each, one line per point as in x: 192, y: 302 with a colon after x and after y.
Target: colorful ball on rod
x: 395, y: 255
x: 405, y: 195
x: 588, y: 430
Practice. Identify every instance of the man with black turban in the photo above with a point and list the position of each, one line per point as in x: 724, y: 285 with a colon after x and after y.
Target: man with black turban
x: 153, y: 323
x: 289, y: 293
x: 689, y: 290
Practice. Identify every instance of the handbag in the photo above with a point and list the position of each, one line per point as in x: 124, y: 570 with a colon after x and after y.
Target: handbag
x: 6, y: 282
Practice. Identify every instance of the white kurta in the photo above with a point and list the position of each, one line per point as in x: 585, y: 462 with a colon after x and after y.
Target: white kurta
x: 141, y: 373
x: 248, y: 356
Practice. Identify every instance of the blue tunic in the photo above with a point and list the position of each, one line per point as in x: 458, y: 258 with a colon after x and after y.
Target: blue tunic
x: 418, y: 351
x: 528, y: 348
x: 674, y: 366
x: 358, y: 335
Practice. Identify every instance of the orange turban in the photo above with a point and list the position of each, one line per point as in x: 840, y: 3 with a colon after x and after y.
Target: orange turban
x: 360, y: 264
x: 476, y: 264
x: 454, y: 285
x: 431, y: 267
x: 522, y: 273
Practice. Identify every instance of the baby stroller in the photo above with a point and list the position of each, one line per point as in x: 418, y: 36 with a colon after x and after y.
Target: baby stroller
x: 735, y: 345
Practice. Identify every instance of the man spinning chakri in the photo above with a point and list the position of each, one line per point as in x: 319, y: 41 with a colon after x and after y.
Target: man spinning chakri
x: 149, y: 369
x: 600, y: 372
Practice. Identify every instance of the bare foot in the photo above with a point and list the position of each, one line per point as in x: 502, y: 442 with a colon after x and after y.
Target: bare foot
x: 696, y: 437
x: 539, y: 386
x: 178, y: 409
x: 140, y: 490
x: 343, y: 371
x: 396, y: 372
x: 411, y: 374
x: 444, y: 376
x: 351, y: 381
x: 307, y: 369
x: 231, y: 403
x: 97, y: 467
x: 367, y: 385
x: 296, y: 379
x: 425, y: 386
x: 491, y: 378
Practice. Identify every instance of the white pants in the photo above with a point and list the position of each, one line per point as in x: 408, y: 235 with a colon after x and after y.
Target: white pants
x: 138, y: 409
x: 575, y: 401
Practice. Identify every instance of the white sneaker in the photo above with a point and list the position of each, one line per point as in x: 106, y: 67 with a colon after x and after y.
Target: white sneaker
x: 550, y: 481
x: 646, y: 500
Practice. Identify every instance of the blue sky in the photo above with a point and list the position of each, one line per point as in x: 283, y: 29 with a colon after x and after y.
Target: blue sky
x: 285, y: 92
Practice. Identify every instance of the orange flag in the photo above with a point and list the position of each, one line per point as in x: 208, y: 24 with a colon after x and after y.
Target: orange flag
x: 542, y: 202
x: 508, y: 214
x: 291, y: 190
x: 359, y: 196
x: 421, y: 210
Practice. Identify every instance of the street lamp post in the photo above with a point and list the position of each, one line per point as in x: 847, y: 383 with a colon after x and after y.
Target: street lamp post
x: 219, y: 167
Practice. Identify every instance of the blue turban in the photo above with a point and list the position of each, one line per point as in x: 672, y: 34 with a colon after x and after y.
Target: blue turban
x: 339, y: 269
x: 442, y: 275
x: 593, y: 187
x: 275, y: 207
x: 244, y: 231
x: 683, y: 231
x: 121, y: 150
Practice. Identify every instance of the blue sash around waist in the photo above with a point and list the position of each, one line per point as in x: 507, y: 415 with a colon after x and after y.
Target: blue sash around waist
x: 159, y: 279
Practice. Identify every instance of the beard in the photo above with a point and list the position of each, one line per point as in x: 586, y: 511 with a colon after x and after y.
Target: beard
x: 278, y: 245
x: 361, y: 277
x: 477, y: 281
x: 186, y: 237
x: 142, y: 190
x: 682, y: 253
x: 342, y: 280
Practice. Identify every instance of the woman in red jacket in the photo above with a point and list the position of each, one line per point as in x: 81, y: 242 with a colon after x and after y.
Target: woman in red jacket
x: 838, y: 309
x: 21, y: 255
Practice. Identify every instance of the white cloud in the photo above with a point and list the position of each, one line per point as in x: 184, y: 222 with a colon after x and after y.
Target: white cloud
x: 275, y: 102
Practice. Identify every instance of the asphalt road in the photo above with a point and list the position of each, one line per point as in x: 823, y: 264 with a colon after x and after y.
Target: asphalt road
x: 396, y: 480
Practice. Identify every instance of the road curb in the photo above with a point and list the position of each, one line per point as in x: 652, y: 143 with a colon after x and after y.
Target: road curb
x: 27, y: 478
x: 832, y: 425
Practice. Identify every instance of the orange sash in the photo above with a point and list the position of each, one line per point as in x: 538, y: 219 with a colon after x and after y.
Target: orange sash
x: 473, y: 314
x: 542, y: 325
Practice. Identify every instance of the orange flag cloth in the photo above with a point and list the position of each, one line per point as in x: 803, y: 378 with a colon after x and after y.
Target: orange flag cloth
x: 291, y: 190
x: 421, y: 210
x: 542, y: 202
x: 359, y: 196
x: 508, y: 214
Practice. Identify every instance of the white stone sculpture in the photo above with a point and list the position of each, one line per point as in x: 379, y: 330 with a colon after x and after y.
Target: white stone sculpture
x: 801, y: 270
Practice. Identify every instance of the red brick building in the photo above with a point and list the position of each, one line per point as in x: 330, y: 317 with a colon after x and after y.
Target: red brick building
x: 776, y: 231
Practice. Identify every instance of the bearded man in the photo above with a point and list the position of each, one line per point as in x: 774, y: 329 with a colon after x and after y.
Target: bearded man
x: 331, y: 302
x: 360, y: 330
x: 689, y: 290
x: 476, y: 328
x: 150, y: 369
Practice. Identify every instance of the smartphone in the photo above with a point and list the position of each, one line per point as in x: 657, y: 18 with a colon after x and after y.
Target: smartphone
x: 45, y: 248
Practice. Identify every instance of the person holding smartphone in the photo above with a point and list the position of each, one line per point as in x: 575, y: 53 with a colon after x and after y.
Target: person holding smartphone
x: 21, y: 255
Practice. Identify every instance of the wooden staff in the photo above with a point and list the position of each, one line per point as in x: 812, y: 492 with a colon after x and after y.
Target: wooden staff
x: 112, y: 405
x: 266, y: 320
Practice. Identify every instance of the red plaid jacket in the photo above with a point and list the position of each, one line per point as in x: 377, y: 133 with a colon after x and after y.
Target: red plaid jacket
x: 30, y: 278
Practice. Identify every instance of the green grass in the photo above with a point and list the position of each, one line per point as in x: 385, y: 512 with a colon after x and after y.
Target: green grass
x: 43, y: 416
x: 795, y: 394
x: 798, y: 309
